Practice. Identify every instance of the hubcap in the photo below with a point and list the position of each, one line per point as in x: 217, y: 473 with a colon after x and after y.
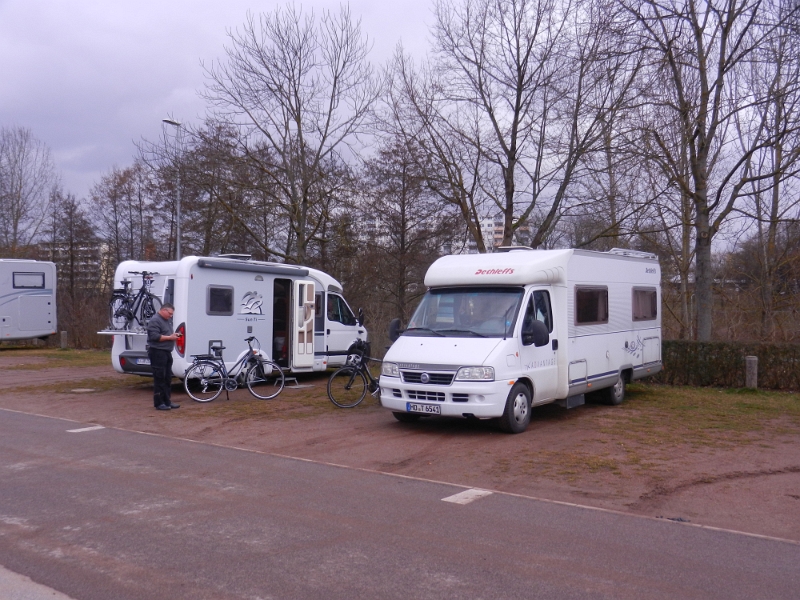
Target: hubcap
x: 520, y: 407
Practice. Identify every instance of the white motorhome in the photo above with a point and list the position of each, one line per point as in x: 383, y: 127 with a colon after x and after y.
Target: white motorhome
x: 498, y: 333
x: 27, y: 299
x: 298, y: 314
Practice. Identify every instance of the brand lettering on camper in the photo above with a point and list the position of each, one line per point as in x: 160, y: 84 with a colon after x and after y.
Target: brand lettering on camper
x: 251, y: 303
x: 494, y: 272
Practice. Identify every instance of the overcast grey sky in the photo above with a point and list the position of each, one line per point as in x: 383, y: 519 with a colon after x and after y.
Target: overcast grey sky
x: 90, y: 78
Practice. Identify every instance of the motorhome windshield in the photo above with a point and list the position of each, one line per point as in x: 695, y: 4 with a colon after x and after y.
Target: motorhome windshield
x: 467, y: 312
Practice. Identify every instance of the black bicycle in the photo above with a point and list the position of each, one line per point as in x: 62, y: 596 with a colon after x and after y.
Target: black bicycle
x: 349, y: 385
x: 126, y: 308
x: 208, y: 376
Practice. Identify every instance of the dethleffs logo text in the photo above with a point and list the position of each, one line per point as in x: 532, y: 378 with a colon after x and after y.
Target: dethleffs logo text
x: 494, y: 272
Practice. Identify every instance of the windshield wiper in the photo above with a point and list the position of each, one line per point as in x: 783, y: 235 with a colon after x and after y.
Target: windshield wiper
x: 434, y: 331
x: 475, y: 333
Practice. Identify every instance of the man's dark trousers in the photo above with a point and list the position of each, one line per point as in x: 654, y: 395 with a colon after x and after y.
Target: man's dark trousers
x: 161, y: 363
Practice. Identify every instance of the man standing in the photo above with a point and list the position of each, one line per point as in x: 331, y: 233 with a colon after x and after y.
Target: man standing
x: 160, y: 342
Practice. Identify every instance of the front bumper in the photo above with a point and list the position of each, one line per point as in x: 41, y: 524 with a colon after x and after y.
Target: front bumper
x: 483, y: 399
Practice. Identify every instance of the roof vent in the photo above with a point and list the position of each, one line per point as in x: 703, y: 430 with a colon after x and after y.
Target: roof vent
x: 633, y: 253
x: 236, y: 256
x: 511, y: 248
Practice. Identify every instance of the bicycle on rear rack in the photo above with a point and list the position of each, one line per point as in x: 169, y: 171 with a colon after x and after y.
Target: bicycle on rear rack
x: 208, y: 376
x: 125, y: 308
x: 349, y: 384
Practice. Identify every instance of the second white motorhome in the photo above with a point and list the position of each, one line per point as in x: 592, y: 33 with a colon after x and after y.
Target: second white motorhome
x: 27, y: 299
x: 298, y: 314
x: 498, y: 333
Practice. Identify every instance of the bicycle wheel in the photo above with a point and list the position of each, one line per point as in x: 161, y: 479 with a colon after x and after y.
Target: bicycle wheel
x: 150, y: 305
x: 204, y: 381
x: 265, y: 380
x: 118, y: 312
x: 347, y: 387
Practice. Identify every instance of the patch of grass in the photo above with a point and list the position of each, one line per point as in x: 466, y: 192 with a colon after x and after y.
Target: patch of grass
x: 558, y: 464
x: 660, y: 415
x: 50, y: 358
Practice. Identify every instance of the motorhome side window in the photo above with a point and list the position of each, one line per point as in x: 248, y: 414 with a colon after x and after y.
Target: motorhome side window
x: 539, y: 309
x: 220, y: 300
x: 645, y: 304
x: 29, y: 281
x: 339, y: 311
x: 591, y: 305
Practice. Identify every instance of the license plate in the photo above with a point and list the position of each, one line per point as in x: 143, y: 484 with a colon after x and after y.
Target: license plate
x: 142, y: 361
x: 428, y: 409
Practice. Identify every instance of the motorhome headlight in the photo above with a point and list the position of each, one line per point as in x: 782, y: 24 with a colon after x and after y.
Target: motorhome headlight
x: 475, y: 374
x: 390, y: 370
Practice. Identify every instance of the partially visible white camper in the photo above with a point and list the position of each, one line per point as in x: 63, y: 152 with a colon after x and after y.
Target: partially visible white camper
x: 27, y: 299
x: 498, y: 333
x: 298, y: 314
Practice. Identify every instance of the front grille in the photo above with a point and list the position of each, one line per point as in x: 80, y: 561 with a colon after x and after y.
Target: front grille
x: 397, y: 393
x: 460, y: 397
x: 435, y: 378
x: 425, y: 395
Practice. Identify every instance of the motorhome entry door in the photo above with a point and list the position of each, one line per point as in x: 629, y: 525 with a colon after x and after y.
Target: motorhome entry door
x: 303, y: 344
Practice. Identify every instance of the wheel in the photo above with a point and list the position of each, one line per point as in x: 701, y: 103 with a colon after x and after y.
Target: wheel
x: 347, y: 387
x: 517, y: 414
x: 118, y: 313
x: 614, y: 395
x: 150, y: 306
x: 265, y: 380
x: 204, y: 382
x: 404, y: 417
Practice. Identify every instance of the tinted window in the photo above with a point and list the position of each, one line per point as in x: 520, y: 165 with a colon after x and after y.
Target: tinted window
x: 29, y: 281
x: 591, y: 305
x: 645, y: 304
x: 220, y: 300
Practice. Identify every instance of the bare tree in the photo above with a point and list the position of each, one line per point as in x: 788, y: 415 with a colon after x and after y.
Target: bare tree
x: 123, y: 212
x: 299, y: 90
x: 27, y: 180
x: 773, y: 200
x: 417, y: 111
x: 517, y: 94
x: 696, y: 52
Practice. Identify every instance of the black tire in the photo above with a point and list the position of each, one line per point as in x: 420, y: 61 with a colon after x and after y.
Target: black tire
x: 405, y: 417
x: 150, y: 305
x: 265, y: 379
x: 517, y: 414
x: 204, y: 382
x: 347, y: 387
x: 118, y: 312
x: 614, y: 395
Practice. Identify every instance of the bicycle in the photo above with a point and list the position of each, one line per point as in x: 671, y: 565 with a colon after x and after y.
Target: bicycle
x: 205, y: 379
x: 349, y: 384
x: 126, y: 308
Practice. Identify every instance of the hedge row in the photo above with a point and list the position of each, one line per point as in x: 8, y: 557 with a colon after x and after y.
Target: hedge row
x: 722, y: 364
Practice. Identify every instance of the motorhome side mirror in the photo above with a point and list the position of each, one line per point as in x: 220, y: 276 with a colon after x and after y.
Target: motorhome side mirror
x: 360, y: 317
x: 535, y: 332
x: 394, y: 330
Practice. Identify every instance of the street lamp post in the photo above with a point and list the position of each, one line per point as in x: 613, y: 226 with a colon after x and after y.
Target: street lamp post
x: 177, y: 126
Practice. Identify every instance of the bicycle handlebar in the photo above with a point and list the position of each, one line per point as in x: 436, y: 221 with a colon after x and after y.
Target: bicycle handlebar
x: 143, y: 273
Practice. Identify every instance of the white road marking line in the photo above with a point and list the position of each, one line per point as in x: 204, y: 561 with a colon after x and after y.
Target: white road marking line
x: 82, y: 429
x: 467, y: 496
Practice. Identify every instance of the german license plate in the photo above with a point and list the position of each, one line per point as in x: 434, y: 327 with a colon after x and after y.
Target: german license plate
x: 428, y: 409
x: 142, y: 361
